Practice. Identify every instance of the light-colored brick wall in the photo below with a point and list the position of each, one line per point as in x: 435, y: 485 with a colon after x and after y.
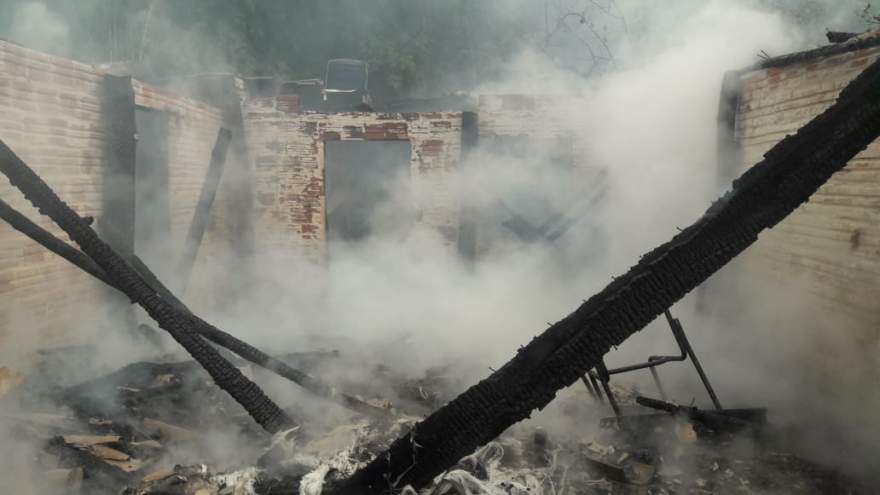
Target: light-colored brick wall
x: 536, y: 117
x: 830, y: 245
x: 51, y: 115
x: 287, y: 153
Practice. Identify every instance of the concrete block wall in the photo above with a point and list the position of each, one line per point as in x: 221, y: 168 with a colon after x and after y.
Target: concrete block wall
x: 831, y: 245
x: 287, y: 153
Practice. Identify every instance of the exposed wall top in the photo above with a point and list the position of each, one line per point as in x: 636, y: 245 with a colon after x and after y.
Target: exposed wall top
x: 862, y: 41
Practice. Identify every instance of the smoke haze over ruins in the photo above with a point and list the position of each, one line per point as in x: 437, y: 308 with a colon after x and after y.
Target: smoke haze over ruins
x: 480, y: 171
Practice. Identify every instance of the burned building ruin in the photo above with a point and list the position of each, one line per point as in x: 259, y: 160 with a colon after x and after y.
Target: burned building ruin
x: 120, y: 186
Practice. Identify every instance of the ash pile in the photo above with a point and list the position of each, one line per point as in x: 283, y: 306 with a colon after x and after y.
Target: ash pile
x: 152, y: 428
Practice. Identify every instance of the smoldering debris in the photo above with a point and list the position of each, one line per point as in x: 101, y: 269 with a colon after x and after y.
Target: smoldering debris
x: 145, y: 427
x: 152, y: 428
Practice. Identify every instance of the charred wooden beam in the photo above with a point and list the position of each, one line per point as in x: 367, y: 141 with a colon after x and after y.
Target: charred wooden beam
x: 760, y: 198
x: 205, y: 329
x: 203, y: 207
x: 229, y: 378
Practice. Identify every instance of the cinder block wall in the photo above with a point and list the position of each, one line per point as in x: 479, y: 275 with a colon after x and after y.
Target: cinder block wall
x: 287, y: 153
x: 831, y: 245
x: 52, y: 115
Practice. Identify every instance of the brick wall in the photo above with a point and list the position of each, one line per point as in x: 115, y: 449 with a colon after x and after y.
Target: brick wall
x: 535, y: 128
x: 287, y: 153
x: 830, y: 245
x: 545, y: 122
x: 52, y: 114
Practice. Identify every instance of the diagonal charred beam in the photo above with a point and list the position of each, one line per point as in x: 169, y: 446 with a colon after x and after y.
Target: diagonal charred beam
x: 45, y: 238
x: 760, y: 198
x: 203, y: 207
x: 229, y: 378
x: 242, y: 349
x: 256, y: 356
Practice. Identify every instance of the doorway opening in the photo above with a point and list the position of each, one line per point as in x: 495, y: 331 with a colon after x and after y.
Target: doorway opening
x: 368, y: 191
